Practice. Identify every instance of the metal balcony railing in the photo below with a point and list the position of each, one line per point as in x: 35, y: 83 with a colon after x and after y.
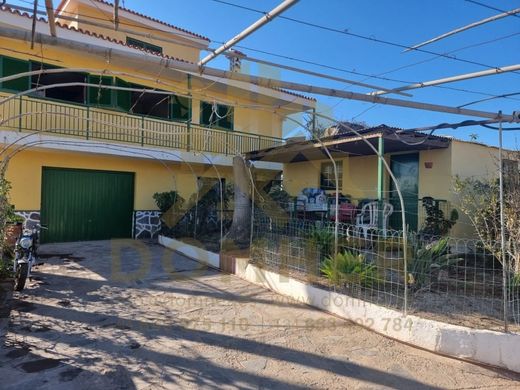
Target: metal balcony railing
x: 34, y: 114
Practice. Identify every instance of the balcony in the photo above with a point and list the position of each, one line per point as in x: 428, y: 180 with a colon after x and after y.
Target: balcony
x: 32, y: 114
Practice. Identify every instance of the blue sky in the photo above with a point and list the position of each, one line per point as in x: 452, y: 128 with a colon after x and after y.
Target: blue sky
x: 403, y: 21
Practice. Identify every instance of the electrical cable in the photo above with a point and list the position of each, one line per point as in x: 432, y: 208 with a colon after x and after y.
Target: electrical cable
x: 360, y: 36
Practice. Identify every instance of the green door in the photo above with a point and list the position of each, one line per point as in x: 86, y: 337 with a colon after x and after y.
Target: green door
x: 82, y: 205
x: 405, y: 168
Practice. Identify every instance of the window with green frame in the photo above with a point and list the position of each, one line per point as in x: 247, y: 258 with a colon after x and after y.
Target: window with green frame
x: 327, y: 177
x: 71, y: 93
x: 10, y: 66
x: 222, y: 118
x: 144, y: 45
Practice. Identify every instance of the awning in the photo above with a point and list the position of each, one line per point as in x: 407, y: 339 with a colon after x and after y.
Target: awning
x: 342, y: 145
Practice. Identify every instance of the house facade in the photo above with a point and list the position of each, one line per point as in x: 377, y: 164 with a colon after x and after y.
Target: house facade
x: 102, y: 119
x: 425, y: 166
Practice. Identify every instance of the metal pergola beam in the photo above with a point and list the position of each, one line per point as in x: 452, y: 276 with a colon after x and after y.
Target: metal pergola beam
x: 464, y: 28
x: 50, y: 16
x: 248, y: 31
x: 155, y: 62
x: 451, y: 79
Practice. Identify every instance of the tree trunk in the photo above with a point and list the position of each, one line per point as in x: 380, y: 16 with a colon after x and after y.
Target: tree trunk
x: 240, y: 231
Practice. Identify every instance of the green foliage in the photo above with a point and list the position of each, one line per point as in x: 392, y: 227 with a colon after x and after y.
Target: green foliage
x: 428, y: 260
x: 166, y: 200
x: 6, y: 263
x: 348, y: 268
x: 323, y: 240
x: 436, y: 224
x: 280, y: 196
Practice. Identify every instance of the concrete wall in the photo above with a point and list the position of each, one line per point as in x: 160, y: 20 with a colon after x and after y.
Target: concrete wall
x: 474, y: 345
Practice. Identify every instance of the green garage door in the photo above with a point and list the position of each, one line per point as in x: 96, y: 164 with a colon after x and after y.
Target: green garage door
x: 81, y: 205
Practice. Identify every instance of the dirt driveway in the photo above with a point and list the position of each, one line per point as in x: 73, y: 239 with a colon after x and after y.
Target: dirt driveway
x: 127, y: 315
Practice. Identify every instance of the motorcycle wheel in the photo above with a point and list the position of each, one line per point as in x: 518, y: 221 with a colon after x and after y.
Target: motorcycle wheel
x: 21, y: 276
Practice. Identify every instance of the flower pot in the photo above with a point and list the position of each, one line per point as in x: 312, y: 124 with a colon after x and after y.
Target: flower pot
x: 12, y: 232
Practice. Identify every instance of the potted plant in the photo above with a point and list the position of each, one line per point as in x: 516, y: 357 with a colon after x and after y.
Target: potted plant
x: 13, y: 228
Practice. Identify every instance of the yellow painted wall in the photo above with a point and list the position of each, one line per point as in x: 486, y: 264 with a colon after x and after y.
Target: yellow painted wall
x: 89, y: 13
x: 25, y: 169
x: 435, y: 181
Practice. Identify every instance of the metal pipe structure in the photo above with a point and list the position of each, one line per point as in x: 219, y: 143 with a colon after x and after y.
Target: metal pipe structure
x: 126, y: 58
x: 248, y: 31
x: 33, y: 27
x: 451, y: 79
x: 116, y: 15
x: 502, y: 231
x: 317, y: 74
x: 464, y: 28
x: 50, y: 16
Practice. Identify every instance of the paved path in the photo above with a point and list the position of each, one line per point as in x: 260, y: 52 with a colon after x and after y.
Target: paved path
x: 128, y: 315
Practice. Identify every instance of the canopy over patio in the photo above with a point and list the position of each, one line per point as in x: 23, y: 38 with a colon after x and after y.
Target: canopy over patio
x: 348, y: 143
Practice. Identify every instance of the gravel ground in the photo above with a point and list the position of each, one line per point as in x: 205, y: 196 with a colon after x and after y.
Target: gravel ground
x: 132, y: 315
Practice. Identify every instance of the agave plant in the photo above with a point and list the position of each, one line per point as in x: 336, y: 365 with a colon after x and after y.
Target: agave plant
x: 427, y: 261
x: 349, y: 268
x: 323, y: 240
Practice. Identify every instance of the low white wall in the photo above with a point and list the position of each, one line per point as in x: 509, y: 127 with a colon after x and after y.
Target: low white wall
x: 201, y: 255
x: 482, y: 346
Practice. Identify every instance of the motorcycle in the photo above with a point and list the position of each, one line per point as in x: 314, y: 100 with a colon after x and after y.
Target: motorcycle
x: 26, y: 253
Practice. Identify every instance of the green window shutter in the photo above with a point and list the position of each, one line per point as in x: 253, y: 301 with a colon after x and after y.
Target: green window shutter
x: 123, y: 98
x: 100, y: 96
x: 180, y: 108
x: 205, y: 113
x: 226, y: 117
x: 10, y: 66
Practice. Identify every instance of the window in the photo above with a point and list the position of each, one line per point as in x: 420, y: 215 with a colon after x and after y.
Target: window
x: 11, y: 66
x: 327, y: 179
x: 75, y: 93
x: 143, y: 45
x: 222, y: 117
x: 149, y: 103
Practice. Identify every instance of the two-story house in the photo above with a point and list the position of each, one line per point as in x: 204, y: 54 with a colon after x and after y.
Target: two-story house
x: 100, y: 119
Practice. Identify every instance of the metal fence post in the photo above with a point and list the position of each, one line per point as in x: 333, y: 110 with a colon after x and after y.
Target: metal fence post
x: 88, y: 122
x: 142, y: 130
x: 20, y: 114
x: 502, y: 231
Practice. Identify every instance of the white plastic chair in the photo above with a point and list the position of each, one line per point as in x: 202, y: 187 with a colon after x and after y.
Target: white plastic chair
x: 372, y: 210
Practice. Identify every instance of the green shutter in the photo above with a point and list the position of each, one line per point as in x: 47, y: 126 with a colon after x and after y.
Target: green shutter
x: 123, y: 98
x: 100, y: 96
x: 10, y: 66
x: 205, y: 113
x: 180, y: 108
x: 226, y: 114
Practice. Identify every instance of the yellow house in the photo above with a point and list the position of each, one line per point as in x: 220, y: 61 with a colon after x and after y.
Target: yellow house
x: 97, y: 119
x: 425, y: 166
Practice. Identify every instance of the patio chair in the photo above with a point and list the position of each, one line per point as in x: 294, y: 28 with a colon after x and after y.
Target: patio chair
x: 368, y: 218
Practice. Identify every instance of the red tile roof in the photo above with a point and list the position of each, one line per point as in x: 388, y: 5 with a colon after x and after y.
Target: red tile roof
x: 92, y: 34
x: 62, y: 3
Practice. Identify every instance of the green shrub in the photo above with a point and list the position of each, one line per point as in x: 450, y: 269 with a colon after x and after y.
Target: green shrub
x: 323, y: 240
x: 165, y: 200
x: 348, y: 268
